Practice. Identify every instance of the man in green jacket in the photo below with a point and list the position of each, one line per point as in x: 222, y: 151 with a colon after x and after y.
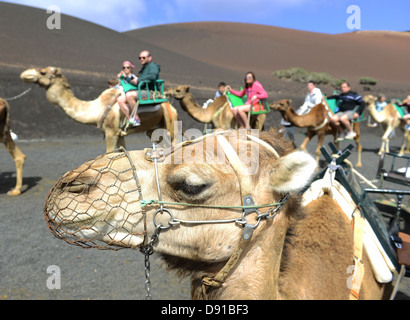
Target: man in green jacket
x: 127, y: 102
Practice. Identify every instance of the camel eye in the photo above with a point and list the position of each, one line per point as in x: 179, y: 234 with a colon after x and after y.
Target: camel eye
x: 190, y: 189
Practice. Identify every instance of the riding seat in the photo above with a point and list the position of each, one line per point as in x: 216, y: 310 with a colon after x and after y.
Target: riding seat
x: 334, y: 107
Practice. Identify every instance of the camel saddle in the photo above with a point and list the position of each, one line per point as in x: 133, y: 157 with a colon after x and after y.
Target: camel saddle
x: 403, y: 253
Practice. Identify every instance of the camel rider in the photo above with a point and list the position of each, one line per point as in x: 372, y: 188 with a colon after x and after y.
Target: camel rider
x: 149, y: 71
x: 341, y: 120
x: 313, y: 97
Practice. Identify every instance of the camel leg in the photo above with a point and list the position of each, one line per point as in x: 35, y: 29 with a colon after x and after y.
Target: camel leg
x: 111, y: 140
x: 359, y: 152
x: 385, y: 141
x: 406, y: 141
x: 356, y: 128
x: 320, y: 139
x: 19, y: 158
x: 306, y: 141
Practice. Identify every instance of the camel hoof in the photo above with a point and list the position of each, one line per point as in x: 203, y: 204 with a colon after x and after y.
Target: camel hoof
x: 14, y: 192
x: 122, y: 133
x: 359, y: 164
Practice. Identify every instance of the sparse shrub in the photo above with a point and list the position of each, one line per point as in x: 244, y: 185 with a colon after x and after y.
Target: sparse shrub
x: 367, y: 81
x: 321, y: 78
x: 293, y: 74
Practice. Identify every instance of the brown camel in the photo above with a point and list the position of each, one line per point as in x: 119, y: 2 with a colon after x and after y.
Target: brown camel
x: 294, y: 252
x: 389, y: 118
x: 5, y: 137
x: 102, y: 112
x: 218, y: 113
x: 317, y: 123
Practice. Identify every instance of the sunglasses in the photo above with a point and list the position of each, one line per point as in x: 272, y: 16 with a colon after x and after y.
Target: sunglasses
x: 126, y: 67
x: 142, y: 58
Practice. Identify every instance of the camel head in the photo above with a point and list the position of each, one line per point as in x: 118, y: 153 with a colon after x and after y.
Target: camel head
x: 177, y: 93
x: 112, y: 201
x: 369, y: 99
x: 44, y: 77
x: 282, y: 105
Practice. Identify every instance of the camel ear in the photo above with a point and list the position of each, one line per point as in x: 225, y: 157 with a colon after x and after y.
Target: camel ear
x: 292, y: 172
x: 186, y: 88
x: 56, y: 71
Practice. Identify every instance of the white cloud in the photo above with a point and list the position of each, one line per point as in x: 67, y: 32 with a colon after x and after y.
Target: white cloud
x: 118, y: 15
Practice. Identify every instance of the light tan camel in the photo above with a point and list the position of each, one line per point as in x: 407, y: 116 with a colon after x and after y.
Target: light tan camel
x: 5, y: 137
x: 389, y: 119
x: 218, y: 113
x: 317, y: 123
x: 201, y: 183
x: 95, y: 112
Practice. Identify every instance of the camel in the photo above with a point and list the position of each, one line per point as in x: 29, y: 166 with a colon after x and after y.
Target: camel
x: 294, y: 252
x: 317, y: 123
x: 389, y: 118
x: 102, y: 112
x: 5, y: 137
x: 218, y: 113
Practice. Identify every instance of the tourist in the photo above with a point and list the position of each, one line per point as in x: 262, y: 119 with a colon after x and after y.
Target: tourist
x: 346, y: 112
x: 221, y: 89
x: 148, y: 72
x: 254, y: 92
x: 381, y: 103
x: 406, y: 104
x: 313, y: 97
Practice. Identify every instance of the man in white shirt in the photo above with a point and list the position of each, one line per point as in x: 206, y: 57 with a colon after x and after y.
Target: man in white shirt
x: 313, y: 97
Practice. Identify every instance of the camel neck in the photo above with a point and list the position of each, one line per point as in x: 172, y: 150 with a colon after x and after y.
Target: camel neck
x: 196, y: 111
x: 245, y: 283
x: 61, y: 95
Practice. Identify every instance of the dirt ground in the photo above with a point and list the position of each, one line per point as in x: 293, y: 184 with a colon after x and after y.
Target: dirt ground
x: 27, y: 248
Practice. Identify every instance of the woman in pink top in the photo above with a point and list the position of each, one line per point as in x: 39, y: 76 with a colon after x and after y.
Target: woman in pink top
x: 254, y: 93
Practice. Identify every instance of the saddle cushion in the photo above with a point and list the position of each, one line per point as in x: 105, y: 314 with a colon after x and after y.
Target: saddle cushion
x: 404, y: 253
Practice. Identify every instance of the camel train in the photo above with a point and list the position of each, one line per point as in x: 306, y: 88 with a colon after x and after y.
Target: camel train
x: 5, y: 137
x: 237, y: 226
x: 103, y: 112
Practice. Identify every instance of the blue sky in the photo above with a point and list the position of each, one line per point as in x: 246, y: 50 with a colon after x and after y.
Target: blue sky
x: 309, y: 15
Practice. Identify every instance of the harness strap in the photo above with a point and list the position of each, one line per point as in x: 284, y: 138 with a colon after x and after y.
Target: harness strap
x: 238, y: 167
x: 357, y: 278
x: 246, y: 191
x: 103, y: 116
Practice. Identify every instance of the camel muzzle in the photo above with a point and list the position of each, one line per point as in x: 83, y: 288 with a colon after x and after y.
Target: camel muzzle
x: 97, y: 206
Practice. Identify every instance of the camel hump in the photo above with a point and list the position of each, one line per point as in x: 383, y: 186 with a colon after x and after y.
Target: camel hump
x: 109, y: 96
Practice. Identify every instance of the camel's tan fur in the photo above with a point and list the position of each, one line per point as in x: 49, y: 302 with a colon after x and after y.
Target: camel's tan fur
x: 5, y: 137
x: 389, y: 119
x: 58, y: 92
x: 223, y: 120
x: 303, y: 253
x: 314, y: 121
